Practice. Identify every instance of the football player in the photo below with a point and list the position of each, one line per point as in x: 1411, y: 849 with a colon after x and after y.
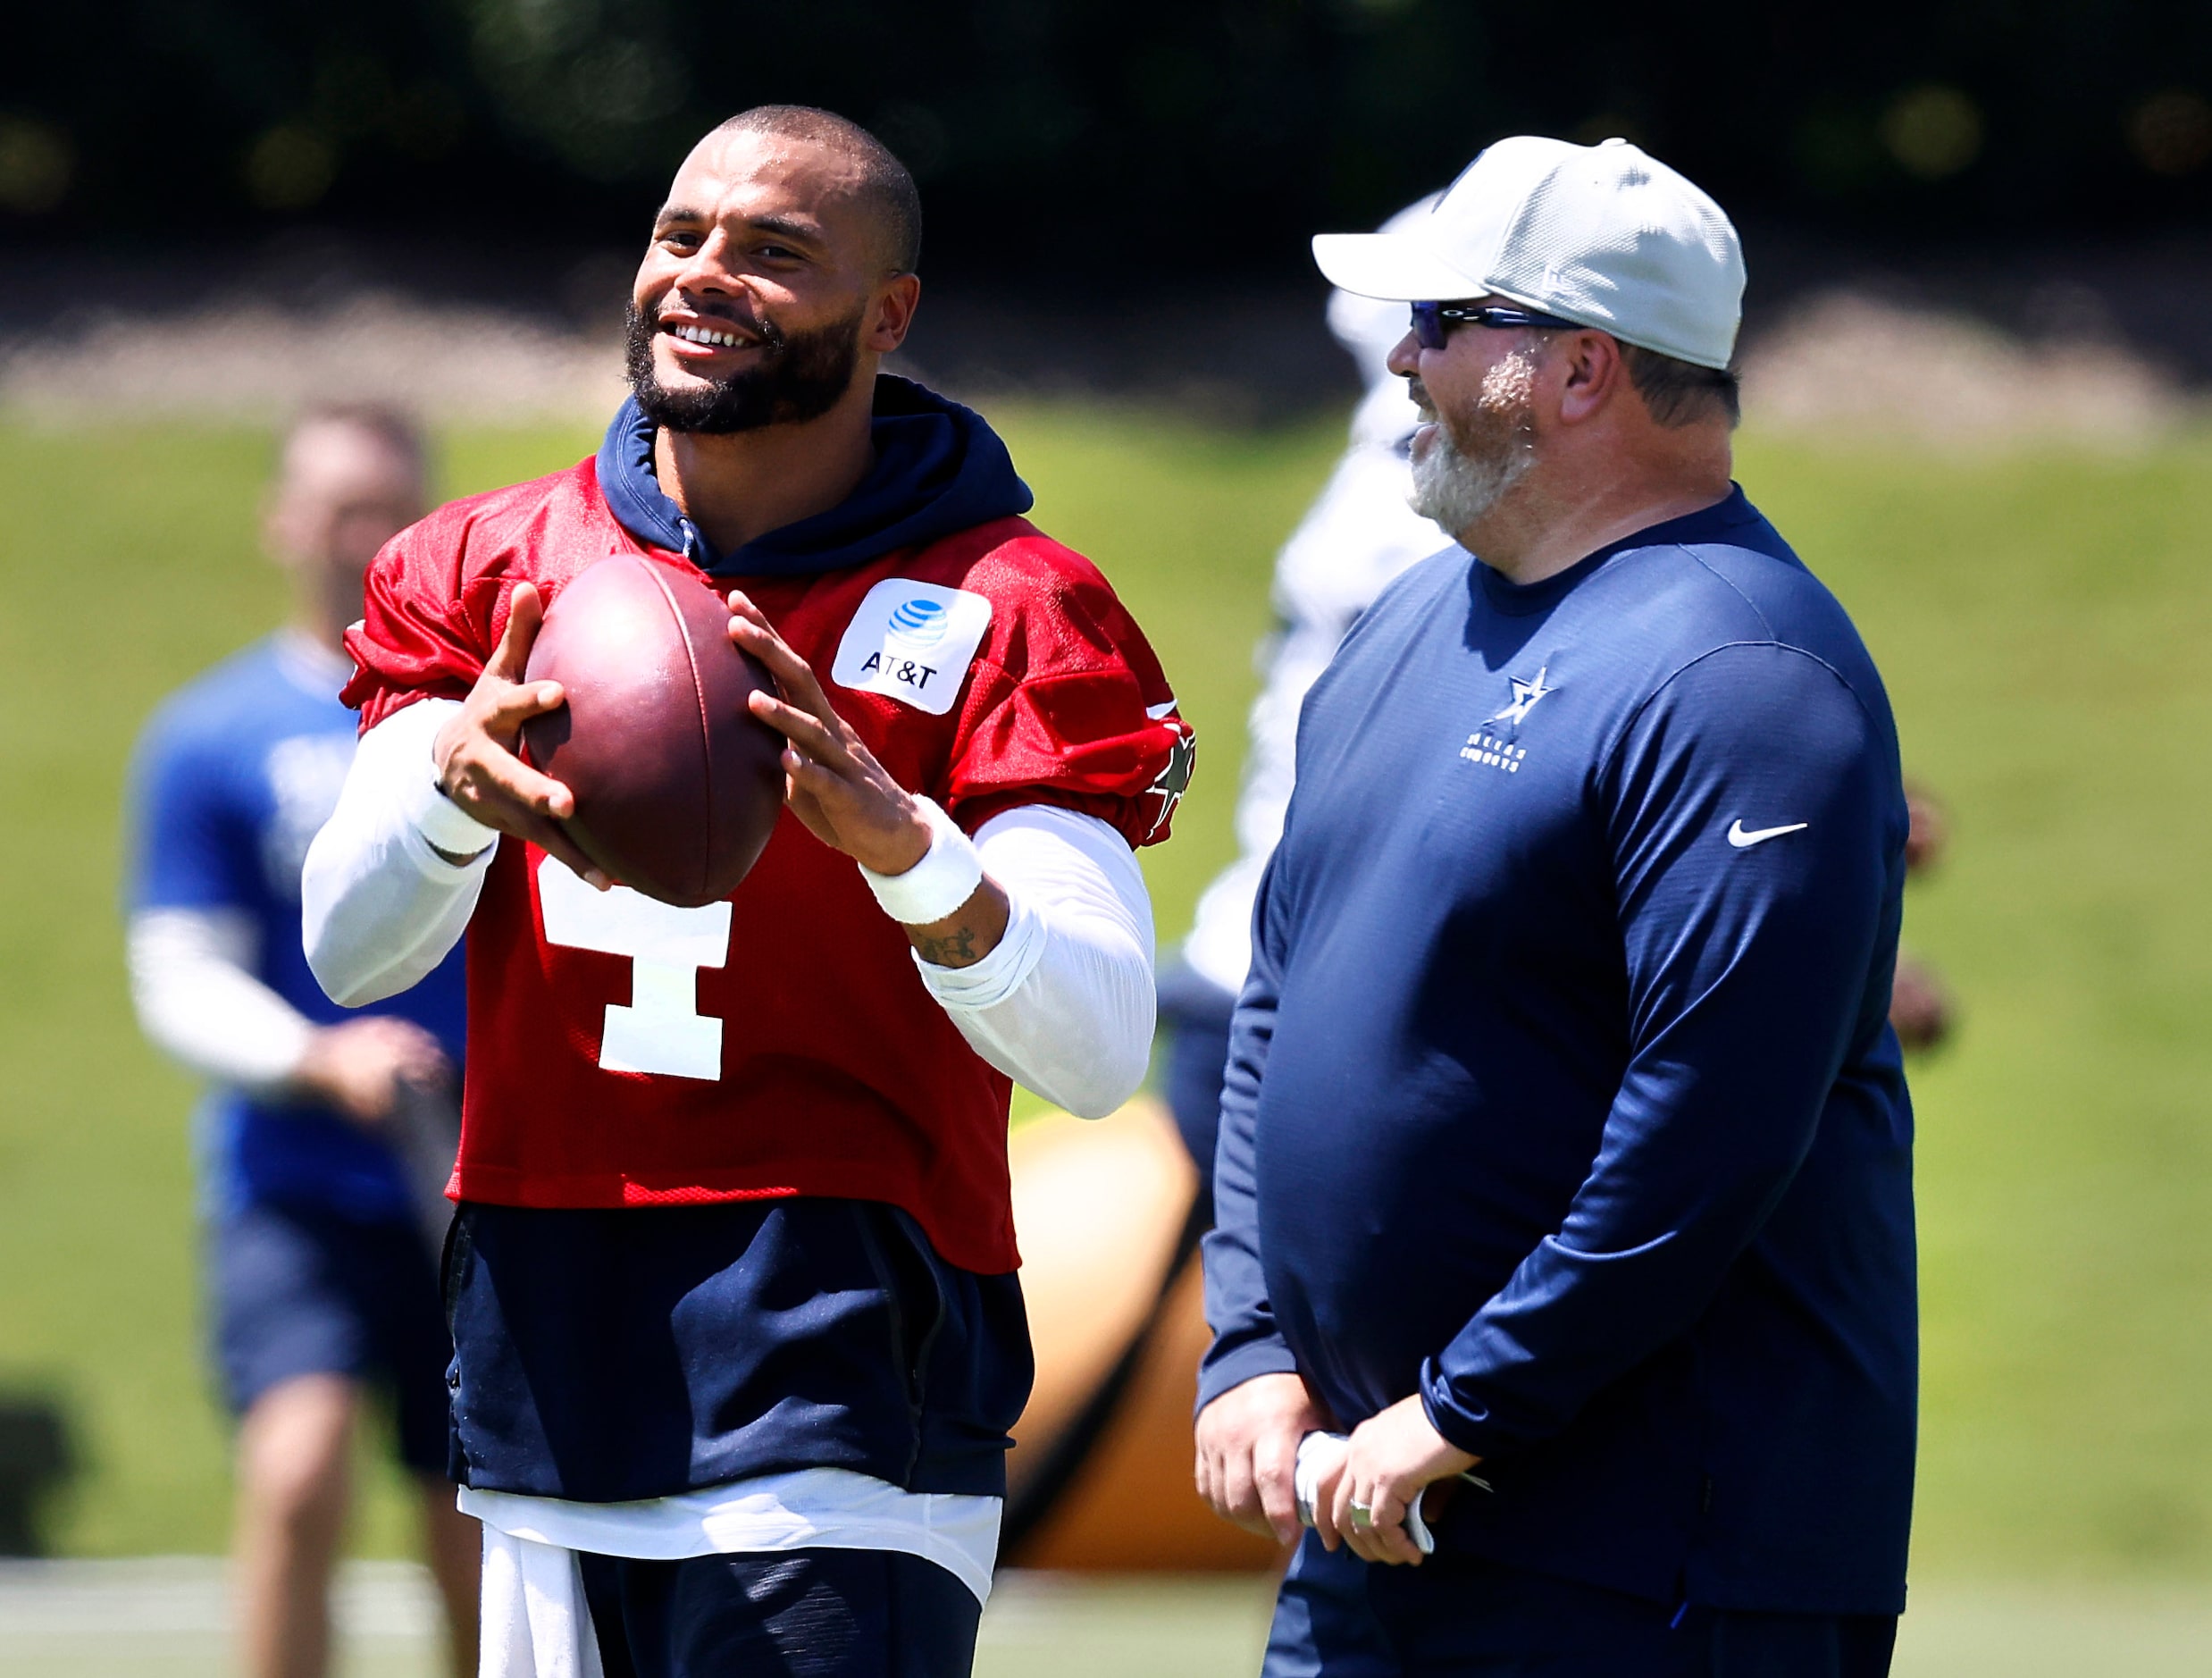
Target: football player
x: 738, y: 1336
x: 319, y: 1128
x: 1359, y: 534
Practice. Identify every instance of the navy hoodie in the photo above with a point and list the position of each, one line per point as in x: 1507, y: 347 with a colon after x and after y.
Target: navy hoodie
x: 614, y: 1356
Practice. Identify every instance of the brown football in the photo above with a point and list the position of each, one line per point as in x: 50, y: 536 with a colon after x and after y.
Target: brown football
x: 677, y: 784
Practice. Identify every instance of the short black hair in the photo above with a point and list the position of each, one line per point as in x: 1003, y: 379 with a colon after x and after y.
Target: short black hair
x: 884, y: 181
x: 1681, y: 392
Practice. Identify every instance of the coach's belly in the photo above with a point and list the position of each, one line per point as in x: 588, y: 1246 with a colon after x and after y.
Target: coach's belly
x: 1396, y: 1201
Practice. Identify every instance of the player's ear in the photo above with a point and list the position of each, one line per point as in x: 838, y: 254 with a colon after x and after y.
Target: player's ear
x: 892, y: 313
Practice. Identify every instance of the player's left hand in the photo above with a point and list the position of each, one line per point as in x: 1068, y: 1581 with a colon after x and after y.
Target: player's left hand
x: 1392, y: 1458
x: 849, y: 800
x: 831, y: 781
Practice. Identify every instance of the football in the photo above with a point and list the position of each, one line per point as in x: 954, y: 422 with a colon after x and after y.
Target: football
x: 677, y: 784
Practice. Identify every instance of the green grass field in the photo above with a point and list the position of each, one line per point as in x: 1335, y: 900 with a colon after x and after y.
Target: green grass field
x: 2041, y: 621
x: 131, y: 1619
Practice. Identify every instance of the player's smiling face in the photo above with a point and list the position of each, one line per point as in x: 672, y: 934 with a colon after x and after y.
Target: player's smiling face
x: 764, y: 239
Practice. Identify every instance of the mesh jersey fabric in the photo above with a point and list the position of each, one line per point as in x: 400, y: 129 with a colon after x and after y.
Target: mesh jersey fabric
x: 817, y: 1008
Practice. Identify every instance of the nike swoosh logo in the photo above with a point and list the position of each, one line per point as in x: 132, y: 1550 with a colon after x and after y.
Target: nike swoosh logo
x: 1744, y: 839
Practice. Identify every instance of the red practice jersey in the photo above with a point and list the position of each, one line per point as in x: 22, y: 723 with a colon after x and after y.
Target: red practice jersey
x: 626, y: 1052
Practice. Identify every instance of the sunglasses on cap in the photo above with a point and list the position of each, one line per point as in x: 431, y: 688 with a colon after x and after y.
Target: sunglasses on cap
x: 1433, y: 322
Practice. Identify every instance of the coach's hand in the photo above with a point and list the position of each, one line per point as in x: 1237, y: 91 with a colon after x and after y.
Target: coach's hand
x: 1248, y: 1453
x: 474, y: 752
x: 1392, y: 1458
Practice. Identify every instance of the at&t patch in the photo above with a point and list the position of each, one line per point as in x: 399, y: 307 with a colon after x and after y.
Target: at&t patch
x: 913, y: 641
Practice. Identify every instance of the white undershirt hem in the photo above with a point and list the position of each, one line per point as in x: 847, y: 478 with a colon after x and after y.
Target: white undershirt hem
x: 809, y: 1508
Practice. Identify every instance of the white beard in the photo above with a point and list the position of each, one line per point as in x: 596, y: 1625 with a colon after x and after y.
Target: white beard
x: 1456, y: 489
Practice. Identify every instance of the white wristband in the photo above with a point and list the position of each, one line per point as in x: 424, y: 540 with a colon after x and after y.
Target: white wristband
x: 945, y: 877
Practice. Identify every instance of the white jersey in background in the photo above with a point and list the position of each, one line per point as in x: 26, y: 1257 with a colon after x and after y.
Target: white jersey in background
x: 1358, y: 536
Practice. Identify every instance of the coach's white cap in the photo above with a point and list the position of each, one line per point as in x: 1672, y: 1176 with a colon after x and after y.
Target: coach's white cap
x: 1605, y: 235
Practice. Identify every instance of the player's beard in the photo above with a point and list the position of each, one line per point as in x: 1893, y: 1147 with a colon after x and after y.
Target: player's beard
x: 799, y: 376
x: 1465, y: 469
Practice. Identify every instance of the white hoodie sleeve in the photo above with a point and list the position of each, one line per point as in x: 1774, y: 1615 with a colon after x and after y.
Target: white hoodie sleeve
x: 382, y: 906
x: 1064, y: 1004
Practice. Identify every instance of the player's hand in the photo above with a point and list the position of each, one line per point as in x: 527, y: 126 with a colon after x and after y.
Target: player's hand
x: 360, y: 1066
x: 1920, y: 1007
x: 849, y: 800
x: 1247, y: 1443
x: 831, y: 781
x: 475, y: 753
x: 1392, y: 1458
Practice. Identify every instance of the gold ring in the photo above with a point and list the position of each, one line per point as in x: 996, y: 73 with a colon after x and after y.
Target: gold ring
x: 1362, y: 1514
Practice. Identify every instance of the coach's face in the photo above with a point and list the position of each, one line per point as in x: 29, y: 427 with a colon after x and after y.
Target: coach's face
x: 1461, y: 388
x: 767, y: 272
x: 1477, y: 436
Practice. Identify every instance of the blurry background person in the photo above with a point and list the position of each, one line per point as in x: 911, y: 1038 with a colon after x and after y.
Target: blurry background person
x: 320, y: 1141
x: 1355, y: 538
x: 1920, y: 1011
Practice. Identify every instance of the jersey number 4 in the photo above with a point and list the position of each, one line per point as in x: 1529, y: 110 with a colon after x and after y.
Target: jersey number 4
x: 661, y: 1031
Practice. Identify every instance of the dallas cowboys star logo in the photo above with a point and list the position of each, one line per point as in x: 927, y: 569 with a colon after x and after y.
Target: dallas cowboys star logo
x: 1525, y: 696
x: 1175, y: 776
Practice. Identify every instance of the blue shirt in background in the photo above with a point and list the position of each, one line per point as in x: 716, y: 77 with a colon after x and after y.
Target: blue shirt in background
x: 1562, y: 1092
x: 232, y: 779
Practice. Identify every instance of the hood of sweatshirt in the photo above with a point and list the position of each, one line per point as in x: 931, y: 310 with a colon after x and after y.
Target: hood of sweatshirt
x: 939, y: 469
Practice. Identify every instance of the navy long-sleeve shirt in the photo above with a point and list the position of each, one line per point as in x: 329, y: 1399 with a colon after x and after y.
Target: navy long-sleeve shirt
x: 1562, y: 1093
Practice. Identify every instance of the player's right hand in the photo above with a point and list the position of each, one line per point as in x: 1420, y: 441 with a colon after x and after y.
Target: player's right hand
x: 475, y: 753
x: 1248, y: 1453
x: 359, y: 1066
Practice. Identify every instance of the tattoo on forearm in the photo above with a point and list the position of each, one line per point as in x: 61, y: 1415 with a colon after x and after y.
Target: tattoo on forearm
x: 955, y: 949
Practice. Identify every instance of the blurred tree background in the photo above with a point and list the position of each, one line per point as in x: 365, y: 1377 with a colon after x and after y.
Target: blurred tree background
x: 1096, y: 137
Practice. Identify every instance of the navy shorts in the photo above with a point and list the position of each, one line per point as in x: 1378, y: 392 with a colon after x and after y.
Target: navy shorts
x: 797, y: 1613
x: 1459, y: 1616
x: 304, y: 1292
x: 1324, y: 1623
